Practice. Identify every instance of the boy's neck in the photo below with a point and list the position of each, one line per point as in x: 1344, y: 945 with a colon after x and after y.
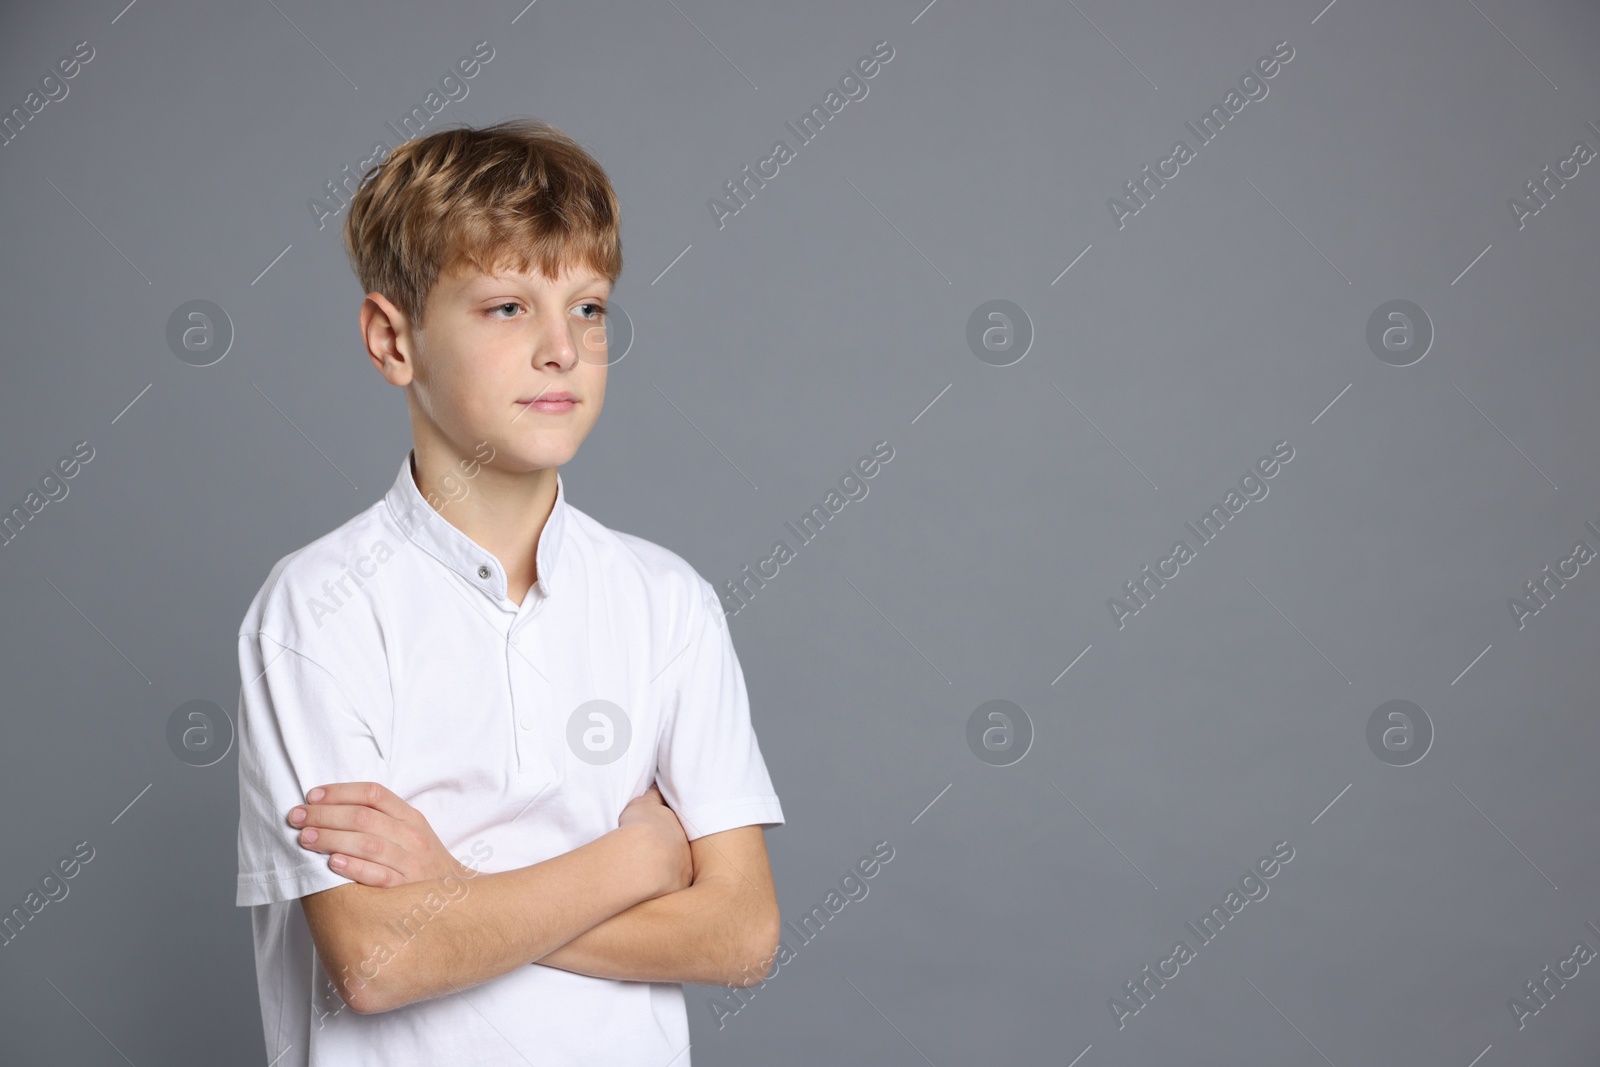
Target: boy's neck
x: 503, y: 512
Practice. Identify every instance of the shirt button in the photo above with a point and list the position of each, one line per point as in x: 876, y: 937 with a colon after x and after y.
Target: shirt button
x: 483, y: 572
x: 525, y: 722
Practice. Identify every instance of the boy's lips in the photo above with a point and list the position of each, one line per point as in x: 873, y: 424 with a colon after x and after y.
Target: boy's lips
x: 550, y: 403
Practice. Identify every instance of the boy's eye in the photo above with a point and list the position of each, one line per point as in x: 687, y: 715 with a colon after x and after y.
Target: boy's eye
x: 589, y: 310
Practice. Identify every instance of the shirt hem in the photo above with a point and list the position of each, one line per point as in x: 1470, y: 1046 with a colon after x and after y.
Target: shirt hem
x: 745, y: 811
x: 273, y: 887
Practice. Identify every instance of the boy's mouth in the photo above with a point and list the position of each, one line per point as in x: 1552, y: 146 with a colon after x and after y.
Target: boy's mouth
x: 551, y: 403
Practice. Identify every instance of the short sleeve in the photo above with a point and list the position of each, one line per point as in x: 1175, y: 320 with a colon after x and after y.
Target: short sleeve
x: 297, y: 730
x: 709, y: 766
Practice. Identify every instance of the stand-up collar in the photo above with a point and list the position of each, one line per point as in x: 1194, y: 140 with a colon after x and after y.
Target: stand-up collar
x: 433, y: 533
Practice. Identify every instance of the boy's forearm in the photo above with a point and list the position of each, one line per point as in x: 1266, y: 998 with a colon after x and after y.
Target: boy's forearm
x: 698, y: 934
x: 490, y: 925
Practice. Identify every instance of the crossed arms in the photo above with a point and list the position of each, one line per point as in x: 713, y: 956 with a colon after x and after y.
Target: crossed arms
x: 639, y: 903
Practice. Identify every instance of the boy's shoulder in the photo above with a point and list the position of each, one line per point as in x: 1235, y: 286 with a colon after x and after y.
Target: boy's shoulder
x: 311, y: 583
x: 658, y: 571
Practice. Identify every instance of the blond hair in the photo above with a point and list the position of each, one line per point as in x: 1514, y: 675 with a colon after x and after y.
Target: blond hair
x: 516, y: 193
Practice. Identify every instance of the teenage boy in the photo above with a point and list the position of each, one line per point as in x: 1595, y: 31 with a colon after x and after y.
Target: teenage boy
x: 500, y: 754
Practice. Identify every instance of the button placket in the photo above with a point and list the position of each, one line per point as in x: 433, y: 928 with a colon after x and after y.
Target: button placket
x: 527, y: 699
x: 519, y: 701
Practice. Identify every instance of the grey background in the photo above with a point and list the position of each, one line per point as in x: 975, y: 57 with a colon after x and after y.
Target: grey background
x: 827, y: 315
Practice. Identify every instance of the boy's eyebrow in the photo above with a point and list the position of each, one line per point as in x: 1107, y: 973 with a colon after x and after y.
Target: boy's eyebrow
x: 487, y: 280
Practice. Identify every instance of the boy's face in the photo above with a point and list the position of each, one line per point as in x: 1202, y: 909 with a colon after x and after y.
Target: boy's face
x: 492, y: 343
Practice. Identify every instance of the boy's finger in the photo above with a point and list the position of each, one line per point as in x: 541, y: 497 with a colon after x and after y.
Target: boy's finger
x: 364, y: 871
x: 354, y: 844
x: 368, y: 794
x: 355, y: 817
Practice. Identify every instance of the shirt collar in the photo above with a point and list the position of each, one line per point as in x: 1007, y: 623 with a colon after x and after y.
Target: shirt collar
x: 434, y: 534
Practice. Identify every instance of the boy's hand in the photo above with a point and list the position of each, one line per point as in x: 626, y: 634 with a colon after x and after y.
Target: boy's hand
x: 372, y: 836
x: 648, y: 815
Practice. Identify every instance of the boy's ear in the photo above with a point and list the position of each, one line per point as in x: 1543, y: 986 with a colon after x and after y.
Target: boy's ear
x: 387, y: 335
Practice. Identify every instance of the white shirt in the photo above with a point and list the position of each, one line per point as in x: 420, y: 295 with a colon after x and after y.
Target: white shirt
x: 388, y: 651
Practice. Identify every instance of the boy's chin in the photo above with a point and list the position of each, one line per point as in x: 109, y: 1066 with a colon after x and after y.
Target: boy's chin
x: 534, y: 454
